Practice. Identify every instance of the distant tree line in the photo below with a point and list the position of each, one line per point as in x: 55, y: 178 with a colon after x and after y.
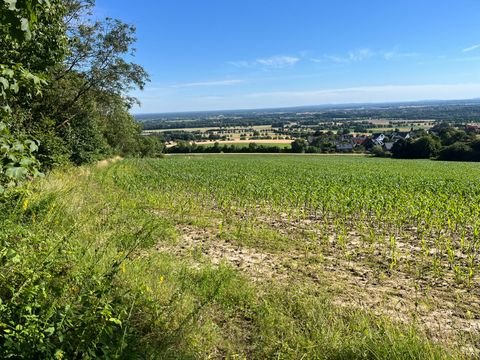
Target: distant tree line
x: 185, y: 147
x: 199, y: 123
x: 444, y: 142
x: 329, y: 119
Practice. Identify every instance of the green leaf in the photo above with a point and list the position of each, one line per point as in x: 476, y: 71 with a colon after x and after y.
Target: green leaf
x: 18, y: 147
x: 26, y: 162
x: 115, y: 321
x: 7, y: 109
x: 25, y: 26
x: 12, y: 4
x: 8, y: 72
x: 32, y: 145
x: 14, y: 87
x: 17, y: 173
x: 16, y: 259
x: 37, y: 173
x: 4, y: 82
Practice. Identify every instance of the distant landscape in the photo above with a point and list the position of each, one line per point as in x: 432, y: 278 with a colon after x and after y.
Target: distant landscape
x: 452, y: 110
x: 447, y: 130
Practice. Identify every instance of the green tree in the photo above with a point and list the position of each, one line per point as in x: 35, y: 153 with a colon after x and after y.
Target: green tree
x: 378, y: 151
x: 86, y: 105
x: 457, y: 152
x: 31, y: 40
x: 299, y: 146
x: 425, y: 147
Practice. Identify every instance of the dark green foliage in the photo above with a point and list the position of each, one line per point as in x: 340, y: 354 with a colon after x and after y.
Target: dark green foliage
x: 447, y: 143
x: 449, y: 135
x: 85, y: 140
x: 461, y: 152
x: 64, y: 80
x: 32, y: 39
x: 424, y: 147
x: 150, y: 146
x: 378, y: 151
x: 17, y: 161
x: 185, y: 147
x: 299, y: 146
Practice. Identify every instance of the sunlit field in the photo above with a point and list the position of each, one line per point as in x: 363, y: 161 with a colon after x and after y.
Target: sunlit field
x: 263, y: 256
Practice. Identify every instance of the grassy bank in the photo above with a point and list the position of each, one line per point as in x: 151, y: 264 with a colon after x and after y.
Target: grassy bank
x: 175, y: 258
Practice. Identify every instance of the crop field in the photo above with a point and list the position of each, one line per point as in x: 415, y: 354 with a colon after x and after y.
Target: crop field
x: 234, y: 130
x: 399, y: 237
x: 274, y: 256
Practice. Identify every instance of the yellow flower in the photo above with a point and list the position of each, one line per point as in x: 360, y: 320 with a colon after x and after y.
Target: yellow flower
x: 123, y: 268
x: 25, y: 204
x: 161, y: 279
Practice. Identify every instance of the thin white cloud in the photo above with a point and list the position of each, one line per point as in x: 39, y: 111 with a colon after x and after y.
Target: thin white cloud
x: 389, y: 55
x: 365, y: 94
x: 360, y: 55
x: 363, y: 54
x: 396, y: 54
x: 471, y: 48
x: 466, y: 59
x: 352, y: 56
x: 241, y: 64
x: 278, y: 62
x: 208, y: 83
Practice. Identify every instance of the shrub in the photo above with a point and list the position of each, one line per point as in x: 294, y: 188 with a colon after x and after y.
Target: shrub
x: 17, y: 162
x: 457, y: 152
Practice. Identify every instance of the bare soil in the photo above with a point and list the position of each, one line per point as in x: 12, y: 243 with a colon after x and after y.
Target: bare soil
x: 445, y: 313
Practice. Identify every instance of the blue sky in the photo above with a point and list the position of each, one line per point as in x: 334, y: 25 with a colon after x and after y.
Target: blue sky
x: 241, y: 54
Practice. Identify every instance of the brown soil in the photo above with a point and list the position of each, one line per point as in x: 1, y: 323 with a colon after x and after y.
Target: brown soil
x: 445, y: 313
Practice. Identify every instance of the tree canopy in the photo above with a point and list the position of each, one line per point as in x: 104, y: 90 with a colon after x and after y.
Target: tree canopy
x: 65, y: 81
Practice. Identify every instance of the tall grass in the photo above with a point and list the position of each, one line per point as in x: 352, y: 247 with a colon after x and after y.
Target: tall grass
x: 80, y: 278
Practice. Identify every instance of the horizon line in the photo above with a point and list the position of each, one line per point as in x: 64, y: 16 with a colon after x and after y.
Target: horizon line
x: 308, y: 106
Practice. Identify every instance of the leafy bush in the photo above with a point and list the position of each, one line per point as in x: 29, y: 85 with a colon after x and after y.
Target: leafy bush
x: 17, y: 161
x: 378, y: 151
x: 457, y: 152
x: 424, y: 147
